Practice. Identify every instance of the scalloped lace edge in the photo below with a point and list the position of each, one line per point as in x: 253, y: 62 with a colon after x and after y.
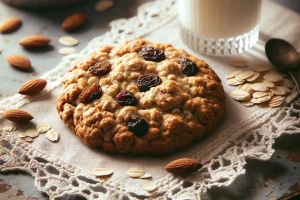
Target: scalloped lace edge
x: 224, y: 161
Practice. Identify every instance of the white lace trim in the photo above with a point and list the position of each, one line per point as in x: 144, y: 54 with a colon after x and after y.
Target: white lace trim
x: 223, y: 161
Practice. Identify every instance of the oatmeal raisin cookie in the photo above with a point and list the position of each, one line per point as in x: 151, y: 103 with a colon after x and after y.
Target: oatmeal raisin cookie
x: 141, y: 98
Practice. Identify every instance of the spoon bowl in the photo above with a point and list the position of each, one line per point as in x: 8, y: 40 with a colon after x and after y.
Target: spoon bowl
x: 282, y: 54
x: 285, y: 58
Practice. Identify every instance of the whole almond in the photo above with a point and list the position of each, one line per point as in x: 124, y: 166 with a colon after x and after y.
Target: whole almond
x: 17, y: 115
x: 33, y: 87
x: 35, y: 41
x: 19, y: 61
x: 10, y: 25
x: 183, y: 166
x: 73, y: 22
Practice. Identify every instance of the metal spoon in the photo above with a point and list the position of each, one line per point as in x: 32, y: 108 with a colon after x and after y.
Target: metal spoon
x: 284, y: 57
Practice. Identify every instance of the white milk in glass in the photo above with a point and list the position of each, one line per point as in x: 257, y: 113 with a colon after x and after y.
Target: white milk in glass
x: 219, y: 27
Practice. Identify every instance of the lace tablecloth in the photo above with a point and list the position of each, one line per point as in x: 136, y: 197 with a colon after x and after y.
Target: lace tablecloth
x: 64, y: 168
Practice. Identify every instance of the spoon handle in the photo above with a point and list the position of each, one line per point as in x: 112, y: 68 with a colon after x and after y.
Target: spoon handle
x: 295, y: 79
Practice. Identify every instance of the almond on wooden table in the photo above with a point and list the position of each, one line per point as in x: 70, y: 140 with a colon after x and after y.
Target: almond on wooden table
x: 33, y: 87
x: 19, y: 61
x: 10, y: 25
x: 17, y: 115
x: 35, y: 41
x: 73, y: 21
x: 183, y: 166
x: 103, y: 5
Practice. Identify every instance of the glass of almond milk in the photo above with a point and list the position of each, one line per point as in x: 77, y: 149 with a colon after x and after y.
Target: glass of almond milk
x: 219, y: 27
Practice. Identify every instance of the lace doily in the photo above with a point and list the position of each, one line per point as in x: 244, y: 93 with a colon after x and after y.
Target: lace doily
x: 223, y: 159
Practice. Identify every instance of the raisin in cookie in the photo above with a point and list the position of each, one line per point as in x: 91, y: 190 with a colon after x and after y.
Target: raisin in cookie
x: 141, y: 98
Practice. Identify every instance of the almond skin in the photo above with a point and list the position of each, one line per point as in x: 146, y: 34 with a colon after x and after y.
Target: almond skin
x: 10, y: 25
x: 19, y: 61
x: 183, y: 166
x: 17, y: 115
x: 33, y: 87
x: 35, y: 41
x: 73, y: 22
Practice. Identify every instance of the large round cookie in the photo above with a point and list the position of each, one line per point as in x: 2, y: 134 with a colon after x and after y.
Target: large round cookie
x: 155, y: 99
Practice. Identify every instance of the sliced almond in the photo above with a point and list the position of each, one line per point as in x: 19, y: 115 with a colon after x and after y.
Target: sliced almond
x: 240, y: 95
x: 260, y: 68
x: 9, y: 128
x: 253, y: 77
x: 260, y: 94
x: 287, y: 90
x: 287, y: 83
x: 259, y: 87
x: 68, y: 41
x: 247, y: 87
x: 10, y: 25
x: 276, y: 101
x: 43, y: 128
x: 135, y: 172
x: 238, y: 62
x: 22, y: 135
x: 52, y: 135
x: 67, y: 50
x: 274, y: 105
x: 33, y: 87
x: 271, y: 93
x: 102, y: 172
x: 149, y: 187
x: 280, y: 90
x: 234, y: 82
x: 273, y: 77
x: 233, y: 74
x: 268, y: 84
x: 32, y: 133
x: 248, y: 103
x: 244, y: 75
x: 146, y: 176
x: 260, y: 100
x: 28, y: 139
x: 103, y: 5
